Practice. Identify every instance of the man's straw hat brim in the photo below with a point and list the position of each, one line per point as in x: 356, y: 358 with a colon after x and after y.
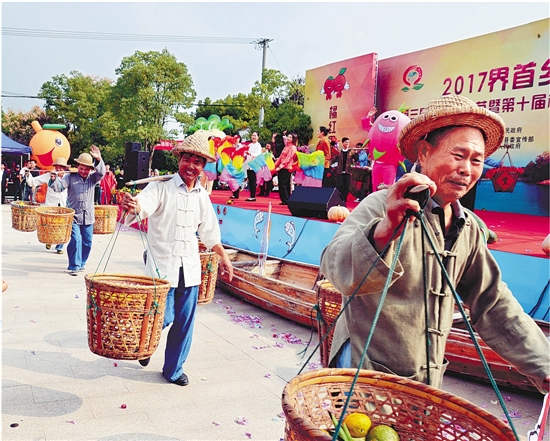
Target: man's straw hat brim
x: 452, y: 110
x: 196, y: 144
x: 85, y: 159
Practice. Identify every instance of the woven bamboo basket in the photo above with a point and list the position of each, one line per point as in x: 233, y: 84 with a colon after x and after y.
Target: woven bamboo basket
x: 54, y: 224
x: 416, y: 411
x: 23, y: 216
x: 209, y: 274
x: 105, y: 219
x: 330, y: 303
x: 125, y: 314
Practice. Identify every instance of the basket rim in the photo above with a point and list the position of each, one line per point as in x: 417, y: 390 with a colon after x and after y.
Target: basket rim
x: 109, y: 278
x: 43, y: 209
x: 337, y: 375
x: 20, y: 204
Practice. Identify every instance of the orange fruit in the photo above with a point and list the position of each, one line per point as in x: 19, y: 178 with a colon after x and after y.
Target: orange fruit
x: 358, y: 424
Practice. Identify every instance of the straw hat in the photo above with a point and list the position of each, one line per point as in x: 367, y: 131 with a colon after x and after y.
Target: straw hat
x: 62, y: 162
x: 85, y: 159
x: 196, y: 144
x: 451, y: 110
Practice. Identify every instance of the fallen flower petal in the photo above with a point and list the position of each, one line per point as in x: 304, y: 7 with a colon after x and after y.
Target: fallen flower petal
x: 242, y: 421
x: 115, y: 364
x: 267, y: 375
x: 70, y: 422
x: 248, y: 435
x: 123, y: 406
x: 215, y: 423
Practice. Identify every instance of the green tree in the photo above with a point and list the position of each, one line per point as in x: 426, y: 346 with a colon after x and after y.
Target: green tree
x: 152, y: 89
x: 290, y: 117
x: 17, y: 125
x: 81, y: 103
x: 282, y: 99
x: 274, y: 86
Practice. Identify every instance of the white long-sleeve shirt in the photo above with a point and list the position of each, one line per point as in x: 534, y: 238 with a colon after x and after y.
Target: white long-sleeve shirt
x: 175, y: 214
x: 254, y: 149
x: 53, y: 198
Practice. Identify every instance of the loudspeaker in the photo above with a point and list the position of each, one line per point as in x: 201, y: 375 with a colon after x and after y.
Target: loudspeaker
x: 136, y: 166
x: 314, y: 201
x: 131, y: 147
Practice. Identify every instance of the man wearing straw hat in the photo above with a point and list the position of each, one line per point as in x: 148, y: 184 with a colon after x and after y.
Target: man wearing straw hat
x: 450, y: 140
x: 53, y: 198
x: 80, y: 197
x: 177, y: 209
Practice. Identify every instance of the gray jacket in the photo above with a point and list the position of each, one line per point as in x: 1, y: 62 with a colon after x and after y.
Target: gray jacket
x: 80, y: 193
x: 398, y: 343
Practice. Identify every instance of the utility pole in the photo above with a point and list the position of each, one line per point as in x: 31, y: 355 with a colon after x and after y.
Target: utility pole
x: 264, y: 44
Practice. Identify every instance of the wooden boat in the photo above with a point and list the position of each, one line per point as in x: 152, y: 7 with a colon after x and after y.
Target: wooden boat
x: 464, y: 359
x: 286, y: 288
x: 289, y: 289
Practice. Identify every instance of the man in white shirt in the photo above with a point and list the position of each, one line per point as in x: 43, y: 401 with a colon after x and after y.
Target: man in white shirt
x: 177, y: 210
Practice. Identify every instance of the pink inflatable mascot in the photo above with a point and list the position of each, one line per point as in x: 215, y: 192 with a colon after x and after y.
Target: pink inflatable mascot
x: 383, y: 152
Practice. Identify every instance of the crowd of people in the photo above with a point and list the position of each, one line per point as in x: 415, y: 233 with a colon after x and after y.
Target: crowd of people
x: 340, y: 160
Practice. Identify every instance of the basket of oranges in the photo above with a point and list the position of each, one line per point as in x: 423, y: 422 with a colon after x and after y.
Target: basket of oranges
x: 405, y: 410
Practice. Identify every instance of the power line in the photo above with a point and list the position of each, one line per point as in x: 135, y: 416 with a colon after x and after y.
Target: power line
x: 16, y: 95
x: 76, y: 35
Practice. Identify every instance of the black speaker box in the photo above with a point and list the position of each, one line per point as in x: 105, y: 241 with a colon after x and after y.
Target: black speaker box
x: 314, y: 201
x: 136, y: 166
x: 131, y: 147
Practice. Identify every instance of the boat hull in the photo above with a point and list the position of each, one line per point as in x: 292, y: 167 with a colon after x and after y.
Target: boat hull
x: 465, y: 361
x: 285, y: 288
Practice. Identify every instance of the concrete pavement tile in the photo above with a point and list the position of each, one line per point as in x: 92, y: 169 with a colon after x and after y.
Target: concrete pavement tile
x: 204, y: 424
x: 144, y: 381
x: 14, y: 393
x: 100, y: 387
x: 45, y: 410
x: 68, y: 338
x: 114, y: 427
x: 26, y: 430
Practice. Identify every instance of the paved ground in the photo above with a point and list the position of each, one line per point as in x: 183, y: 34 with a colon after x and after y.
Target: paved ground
x: 54, y: 388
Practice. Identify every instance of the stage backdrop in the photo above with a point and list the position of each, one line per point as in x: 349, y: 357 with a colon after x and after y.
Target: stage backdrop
x: 338, y: 95
x: 507, y: 72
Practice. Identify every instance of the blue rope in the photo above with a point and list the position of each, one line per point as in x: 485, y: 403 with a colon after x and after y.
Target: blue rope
x: 469, y: 327
x: 371, y: 332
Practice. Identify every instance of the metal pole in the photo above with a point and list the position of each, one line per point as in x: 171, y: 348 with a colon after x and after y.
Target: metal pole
x: 263, y: 42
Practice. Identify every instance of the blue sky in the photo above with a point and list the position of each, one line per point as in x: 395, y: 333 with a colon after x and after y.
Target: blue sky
x: 305, y: 35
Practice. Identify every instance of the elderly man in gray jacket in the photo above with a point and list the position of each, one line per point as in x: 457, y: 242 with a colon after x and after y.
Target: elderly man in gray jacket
x: 450, y: 140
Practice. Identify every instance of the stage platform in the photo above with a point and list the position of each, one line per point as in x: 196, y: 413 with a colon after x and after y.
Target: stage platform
x: 524, y: 266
